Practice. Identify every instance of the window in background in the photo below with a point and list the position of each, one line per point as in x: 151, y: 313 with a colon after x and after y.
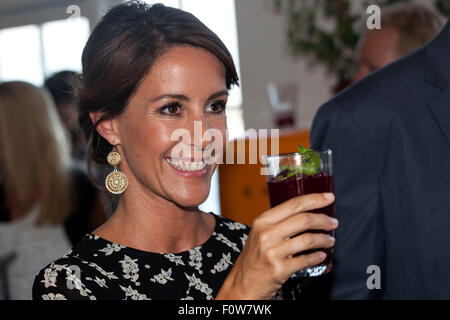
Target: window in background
x: 32, y: 53
x: 63, y: 42
x: 20, y: 54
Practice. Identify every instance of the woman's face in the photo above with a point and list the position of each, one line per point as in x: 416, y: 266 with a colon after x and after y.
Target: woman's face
x: 185, y: 86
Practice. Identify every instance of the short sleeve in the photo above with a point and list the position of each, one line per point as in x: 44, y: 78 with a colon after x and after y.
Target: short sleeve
x: 61, y: 282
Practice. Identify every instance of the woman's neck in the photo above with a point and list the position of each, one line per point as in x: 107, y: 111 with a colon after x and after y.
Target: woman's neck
x: 148, y: 222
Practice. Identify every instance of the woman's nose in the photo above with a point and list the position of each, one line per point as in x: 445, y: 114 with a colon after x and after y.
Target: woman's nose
x: 198, y: 127
x: 200, y: 134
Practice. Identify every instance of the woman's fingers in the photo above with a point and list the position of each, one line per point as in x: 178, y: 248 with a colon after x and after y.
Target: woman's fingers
x: 304, y: 242
x: 302, y: 262
x: 296, y: 205
x: 298, y: 223
x: 281, y: 256
x: 302, y: 222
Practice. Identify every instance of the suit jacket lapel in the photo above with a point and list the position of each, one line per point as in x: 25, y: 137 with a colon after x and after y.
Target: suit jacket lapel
x: 440, y: 108
x: 438, y: 74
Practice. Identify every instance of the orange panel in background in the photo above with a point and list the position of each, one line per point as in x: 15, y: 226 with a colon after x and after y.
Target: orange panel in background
x: 243, y: 194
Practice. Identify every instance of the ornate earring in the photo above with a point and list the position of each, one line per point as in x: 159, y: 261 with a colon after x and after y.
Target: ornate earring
x: 116, y: 182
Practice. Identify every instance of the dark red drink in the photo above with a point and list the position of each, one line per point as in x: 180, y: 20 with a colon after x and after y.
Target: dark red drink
x: 280, y: 191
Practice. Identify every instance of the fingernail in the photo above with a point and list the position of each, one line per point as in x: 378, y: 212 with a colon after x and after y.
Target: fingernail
x: 335, y: 222
x: 328, y: 195
x: 332, y: 239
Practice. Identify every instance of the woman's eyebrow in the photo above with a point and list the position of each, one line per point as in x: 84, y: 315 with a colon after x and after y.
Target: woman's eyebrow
x: 172, y: 96
x: 218, y: 94
x: 185, y: 98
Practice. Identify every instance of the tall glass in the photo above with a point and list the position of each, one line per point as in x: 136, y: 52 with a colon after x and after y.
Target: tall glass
x: 294, y: 174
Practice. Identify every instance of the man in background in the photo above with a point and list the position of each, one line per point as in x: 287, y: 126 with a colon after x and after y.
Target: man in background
x: 390, y: 136
x: 405, y: 27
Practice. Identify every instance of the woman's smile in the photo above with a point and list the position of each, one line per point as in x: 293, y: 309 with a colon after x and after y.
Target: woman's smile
x: 189, y: 167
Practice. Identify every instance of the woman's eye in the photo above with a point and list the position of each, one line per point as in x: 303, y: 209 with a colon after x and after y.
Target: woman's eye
x: 217, y: 107
x: 171, y: 109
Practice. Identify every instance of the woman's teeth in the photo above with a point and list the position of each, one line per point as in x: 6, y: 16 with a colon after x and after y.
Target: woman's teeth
x: 186, y: 166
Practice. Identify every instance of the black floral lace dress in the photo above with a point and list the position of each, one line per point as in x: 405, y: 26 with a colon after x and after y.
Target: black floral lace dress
x: 98, y: 269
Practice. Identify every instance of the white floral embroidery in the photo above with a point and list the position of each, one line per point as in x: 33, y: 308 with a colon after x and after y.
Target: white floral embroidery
x: 130, y: 269
x: 92, y: 236
x: 173, y: 258
x: 59, y: 267
x: 50, y: 275
x: 163, y: 276
x: 68, y: 253
x: 235, y: 225
x: 244, y: 239
x: 52, y: 296
x: 199, y: 285
x: 223, y: 263
x: 134, y: 294
x: 221, y: 237
x: 195, y: 259
x: 74, y: 282
x: 101, y: 282
x: 109, y: 275
x: 110, y: 248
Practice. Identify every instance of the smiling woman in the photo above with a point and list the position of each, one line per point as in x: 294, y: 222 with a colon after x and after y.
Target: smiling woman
x: 149, y: 71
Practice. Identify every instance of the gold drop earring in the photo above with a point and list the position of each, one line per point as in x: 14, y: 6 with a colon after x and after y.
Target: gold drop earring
x: 116, y: 182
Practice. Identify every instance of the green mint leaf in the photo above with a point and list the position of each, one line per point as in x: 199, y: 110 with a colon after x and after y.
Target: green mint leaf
x: 310, y: 160
x: 301, y: 149
x: 310, y: 165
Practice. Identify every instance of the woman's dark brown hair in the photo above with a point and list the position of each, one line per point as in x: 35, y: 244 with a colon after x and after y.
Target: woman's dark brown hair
x: 121, y: 50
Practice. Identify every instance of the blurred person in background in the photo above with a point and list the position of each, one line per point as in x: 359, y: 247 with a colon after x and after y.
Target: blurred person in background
x: 390, y: 136
x: 46, y: 204
x: 60, y: 86
x: 405, y: 27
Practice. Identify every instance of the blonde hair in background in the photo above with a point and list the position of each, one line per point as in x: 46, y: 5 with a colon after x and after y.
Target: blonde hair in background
x: 35, y: 150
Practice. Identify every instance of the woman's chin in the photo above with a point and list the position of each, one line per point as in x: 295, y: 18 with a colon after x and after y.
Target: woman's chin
x: 194, y: 200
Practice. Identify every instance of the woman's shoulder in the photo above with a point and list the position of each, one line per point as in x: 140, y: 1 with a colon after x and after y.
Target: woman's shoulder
x: 82, y: 273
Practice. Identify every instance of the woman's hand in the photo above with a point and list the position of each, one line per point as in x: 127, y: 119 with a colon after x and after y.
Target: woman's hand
x: 267, y: 261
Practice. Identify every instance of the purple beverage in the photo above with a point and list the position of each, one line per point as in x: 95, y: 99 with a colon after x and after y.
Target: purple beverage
x: 295, y: 174
x: 280, y: 191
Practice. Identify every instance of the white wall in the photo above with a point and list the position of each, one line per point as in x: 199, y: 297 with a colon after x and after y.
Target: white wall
x: 264, y: 58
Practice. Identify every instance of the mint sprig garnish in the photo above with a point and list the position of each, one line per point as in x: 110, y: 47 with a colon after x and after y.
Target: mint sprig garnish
x: 310, y: 165
x: 310, y: 160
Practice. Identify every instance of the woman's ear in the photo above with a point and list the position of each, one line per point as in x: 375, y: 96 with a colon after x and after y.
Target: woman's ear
x: 106, y: 128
